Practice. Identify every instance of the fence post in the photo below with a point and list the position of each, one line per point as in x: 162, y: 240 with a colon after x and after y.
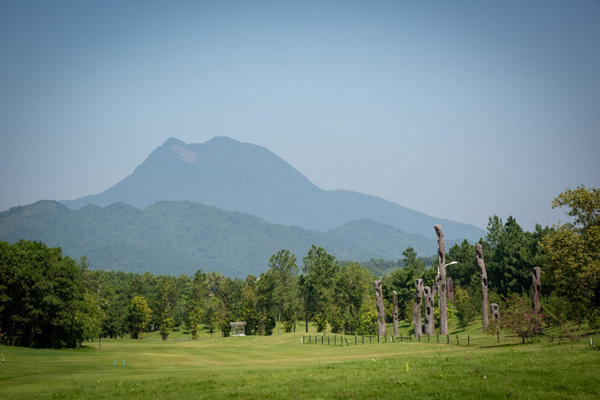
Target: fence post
x: 309, y: 339
x: 409, y: 337
x: 457, y: 342
x: 392, y: 336
x: 401, y: 336
x: 448, y: 338
x: 322, y: 339
x: 363, y: 339
x: 355, y: 339
x: 346, y: 339
x: 468, y: 340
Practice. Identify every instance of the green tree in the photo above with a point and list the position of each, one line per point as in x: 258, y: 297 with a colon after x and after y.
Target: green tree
x: 284, y: 274
x: 465, y: 307
x: 42, y: 297
x: 166, y: 324
x: 353, y: 285
x: 466, y: 272
x: 138, y: 317
x: 231, y: 298
x: 573, y: 251
x: 249, y: 306
x: 402, y: 280
x: 167, y: 300
x: 320, y: 269
x: 519, y: 317
x: 195, y: 303
x: 214, y: 314
x: 510, y: 255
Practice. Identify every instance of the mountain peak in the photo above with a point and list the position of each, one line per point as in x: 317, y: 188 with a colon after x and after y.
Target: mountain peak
x: 173, y: 142
x: 222, y: 139
x: 249, y: 178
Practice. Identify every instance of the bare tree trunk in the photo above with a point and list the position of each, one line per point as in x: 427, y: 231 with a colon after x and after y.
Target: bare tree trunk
x: 536, y: 287
x: 334, y: 322
x: 450, y: 285
x: 484, y: 287
x: 395, y: 313
x: 380, y: 310
x: 417, y: 310
x: 442, y: 296
x: 306, y: 320
x: 429, y: 327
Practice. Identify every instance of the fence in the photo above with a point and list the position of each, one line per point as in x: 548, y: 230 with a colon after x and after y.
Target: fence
x: 454, y: 339
x: 356, y: 340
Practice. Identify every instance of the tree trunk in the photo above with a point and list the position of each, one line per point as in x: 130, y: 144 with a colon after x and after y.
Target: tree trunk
x: 442, y: 296
x: 484, y: 287
x: 306, y: 320
x: 536, y: 287
x: 417, y: 310
x: 380, y: 310
x: 395, y: 313
x: 334, y: 322
x: 450, y: 286
x: 429, y: 327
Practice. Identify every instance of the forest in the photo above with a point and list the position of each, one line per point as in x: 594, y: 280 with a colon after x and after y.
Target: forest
x: 50, y: 300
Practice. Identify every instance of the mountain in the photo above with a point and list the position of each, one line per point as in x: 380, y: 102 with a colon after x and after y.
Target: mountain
x: 250, y: 179
x: 171, y: 238
x: 384, y: 240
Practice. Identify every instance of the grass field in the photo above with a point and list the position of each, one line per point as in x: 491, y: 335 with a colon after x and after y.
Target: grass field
x: 280, y: 366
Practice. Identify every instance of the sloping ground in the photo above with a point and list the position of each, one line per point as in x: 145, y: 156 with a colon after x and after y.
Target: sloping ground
x: 282, y: 367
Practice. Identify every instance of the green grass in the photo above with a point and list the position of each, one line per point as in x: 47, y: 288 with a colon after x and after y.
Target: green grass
x: 282, y: 367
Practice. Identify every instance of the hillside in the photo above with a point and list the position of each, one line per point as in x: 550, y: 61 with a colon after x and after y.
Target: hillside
x: 248, y: 178
x: 181, y: 237
x: 384, y: 240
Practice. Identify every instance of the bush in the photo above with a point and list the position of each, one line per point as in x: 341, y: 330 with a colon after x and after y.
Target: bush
x: 465, y: 307
x: 519, y: 317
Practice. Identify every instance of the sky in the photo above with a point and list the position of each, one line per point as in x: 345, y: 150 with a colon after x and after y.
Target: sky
x: 460, y: 110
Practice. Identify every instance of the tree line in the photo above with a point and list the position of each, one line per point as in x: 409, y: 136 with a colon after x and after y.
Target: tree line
x: 50, y: 300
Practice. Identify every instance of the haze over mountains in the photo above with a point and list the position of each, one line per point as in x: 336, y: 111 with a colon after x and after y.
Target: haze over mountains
x: 248, y: 178
x: 227, y: 206
x: 180, y: 237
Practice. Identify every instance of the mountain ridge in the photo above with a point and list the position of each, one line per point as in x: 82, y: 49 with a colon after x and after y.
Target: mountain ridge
x: 180, y: 237
x: 249, y: 178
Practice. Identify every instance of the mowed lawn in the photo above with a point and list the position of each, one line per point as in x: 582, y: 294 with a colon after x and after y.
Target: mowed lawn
x: 280, y: 366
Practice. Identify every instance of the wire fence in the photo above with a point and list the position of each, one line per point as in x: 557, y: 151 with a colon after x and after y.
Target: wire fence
x: 451, y: 339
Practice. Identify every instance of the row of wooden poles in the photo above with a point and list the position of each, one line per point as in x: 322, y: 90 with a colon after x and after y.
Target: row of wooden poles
x: 323, y: 339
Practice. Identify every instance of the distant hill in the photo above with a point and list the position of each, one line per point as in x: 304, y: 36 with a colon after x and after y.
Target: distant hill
x: 248, y: 178
x: 181, y: 237
x: 384, y: 240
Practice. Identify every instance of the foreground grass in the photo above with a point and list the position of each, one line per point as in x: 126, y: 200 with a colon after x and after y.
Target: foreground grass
x: 280, y: 366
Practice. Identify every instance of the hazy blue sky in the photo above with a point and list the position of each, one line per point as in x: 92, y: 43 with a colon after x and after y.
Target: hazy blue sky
x: 459, y: 110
